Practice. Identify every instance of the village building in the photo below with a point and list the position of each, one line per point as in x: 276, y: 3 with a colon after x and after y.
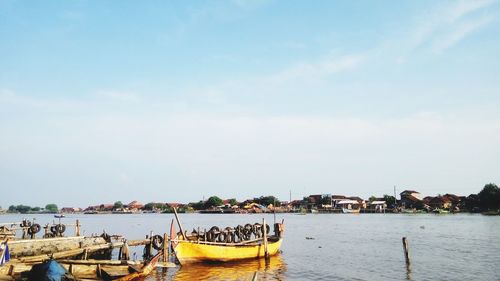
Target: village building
x: 377, y: 206
x: 440, y: 202
x: 411, y: 199
x: 336, y: 199
x: 135, y: 206
x: 70, y: 210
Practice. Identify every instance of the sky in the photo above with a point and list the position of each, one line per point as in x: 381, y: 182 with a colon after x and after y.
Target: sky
x: 176, y: 101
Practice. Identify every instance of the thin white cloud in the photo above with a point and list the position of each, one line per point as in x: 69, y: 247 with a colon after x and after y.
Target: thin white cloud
x: 446, y: 26
x: 460, y: 32
x: 317, y: 70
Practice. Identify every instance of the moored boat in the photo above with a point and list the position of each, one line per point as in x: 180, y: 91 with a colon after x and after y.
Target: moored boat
x: 81, y: 269
x: 349, y: 206
x: 228, y: 244
x: 350, y: 211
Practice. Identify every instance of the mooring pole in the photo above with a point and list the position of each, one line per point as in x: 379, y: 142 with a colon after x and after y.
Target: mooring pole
x: 264, y: 229
x: 405, y: 249
x: 178, y: 221
x: 77, y: 228
x: 165, y: 247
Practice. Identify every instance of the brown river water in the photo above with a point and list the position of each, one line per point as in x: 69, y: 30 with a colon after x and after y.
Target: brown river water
x: 343, y: 247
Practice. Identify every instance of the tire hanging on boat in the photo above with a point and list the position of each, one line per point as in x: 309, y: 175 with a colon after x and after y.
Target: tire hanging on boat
x: 247, y: 231
x: 60, y: 228
x: 213, y: 234
x: 256, y: 229
x: 157, y: 241
x: 238, y: 234
x: 229, y: 232
x: 34, y: 229
x: 268, y: 228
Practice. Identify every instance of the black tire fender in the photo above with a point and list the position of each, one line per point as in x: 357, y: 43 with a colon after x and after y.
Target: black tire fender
x: 60, y: 228
x: 157, y: 241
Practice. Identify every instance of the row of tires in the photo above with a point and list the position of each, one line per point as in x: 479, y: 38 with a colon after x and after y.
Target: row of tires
x: 57, y: 229
x: 237, y: 234
x: 227, y: 235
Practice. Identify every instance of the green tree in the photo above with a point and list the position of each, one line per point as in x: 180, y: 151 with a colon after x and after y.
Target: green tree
x: 389, y: 200
x: 372, y: 198
x: 213, y: 201
x: 118, y: 205
x: 233, y: 201
x: 36, y: 209
x: 266, y: 200
x: 489, y: 197
x: 12, y: 209
x: 23, y: 209
x: 51, y: 208
x: 326, y: 200
x: 200, y: 205
x: 152, y: 205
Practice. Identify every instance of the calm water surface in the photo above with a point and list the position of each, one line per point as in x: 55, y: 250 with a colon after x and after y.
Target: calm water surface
x: 345, y: 247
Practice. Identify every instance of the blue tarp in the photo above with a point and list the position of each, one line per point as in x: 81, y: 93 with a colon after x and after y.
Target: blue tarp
x: 47, y: 271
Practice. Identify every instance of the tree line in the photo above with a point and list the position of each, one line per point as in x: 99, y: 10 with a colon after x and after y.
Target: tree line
x: 24, y: 209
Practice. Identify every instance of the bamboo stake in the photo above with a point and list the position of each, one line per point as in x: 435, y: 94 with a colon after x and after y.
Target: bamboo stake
x: 77, y: 228
x: 405, y: 249
x: 165, y: 247
x: 178, y: 221
x: 151, y: 243
x: 264, y: 229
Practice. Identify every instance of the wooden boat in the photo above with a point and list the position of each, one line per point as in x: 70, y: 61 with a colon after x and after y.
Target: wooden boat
x: 200, y: 248
x: 193, y: 251
x: 87, y: 269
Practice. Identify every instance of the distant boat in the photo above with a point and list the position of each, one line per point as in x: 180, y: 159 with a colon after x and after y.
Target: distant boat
x: 58, y: 216
x: 349, y: 206
x: 313, y: 211
x: 350, y: 211
x: 440, y: 211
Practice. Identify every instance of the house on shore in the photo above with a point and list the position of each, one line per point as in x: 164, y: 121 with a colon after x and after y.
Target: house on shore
x: 134, y: 206
x: 440, y: 202
x: 71, y: 210
x: 377, y: 206
x: 411, y: 199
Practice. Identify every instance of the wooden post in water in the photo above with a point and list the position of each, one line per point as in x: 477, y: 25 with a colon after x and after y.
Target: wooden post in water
x: 264, y: 230
x: 150, y: 244
x: 165, y: 247
x: 77, y: 228
x: 405, y: 249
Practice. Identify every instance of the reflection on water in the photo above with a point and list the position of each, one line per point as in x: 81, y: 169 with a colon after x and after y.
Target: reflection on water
x: 273, y: 268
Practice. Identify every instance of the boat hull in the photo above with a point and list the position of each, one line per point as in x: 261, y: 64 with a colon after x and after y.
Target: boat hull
x: 191, y: 252
x: 350, y: 211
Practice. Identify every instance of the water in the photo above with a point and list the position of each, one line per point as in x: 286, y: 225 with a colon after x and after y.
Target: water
x: 345, y: 247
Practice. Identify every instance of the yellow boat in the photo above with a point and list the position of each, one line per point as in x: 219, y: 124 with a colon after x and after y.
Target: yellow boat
x: 192, y: 251
x: 196, y: 249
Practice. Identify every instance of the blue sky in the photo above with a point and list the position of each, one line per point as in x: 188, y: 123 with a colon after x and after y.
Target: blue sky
x: 176, y: 101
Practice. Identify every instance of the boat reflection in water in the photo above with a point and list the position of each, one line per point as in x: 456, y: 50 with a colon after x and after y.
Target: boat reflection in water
x: 271, y: 269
